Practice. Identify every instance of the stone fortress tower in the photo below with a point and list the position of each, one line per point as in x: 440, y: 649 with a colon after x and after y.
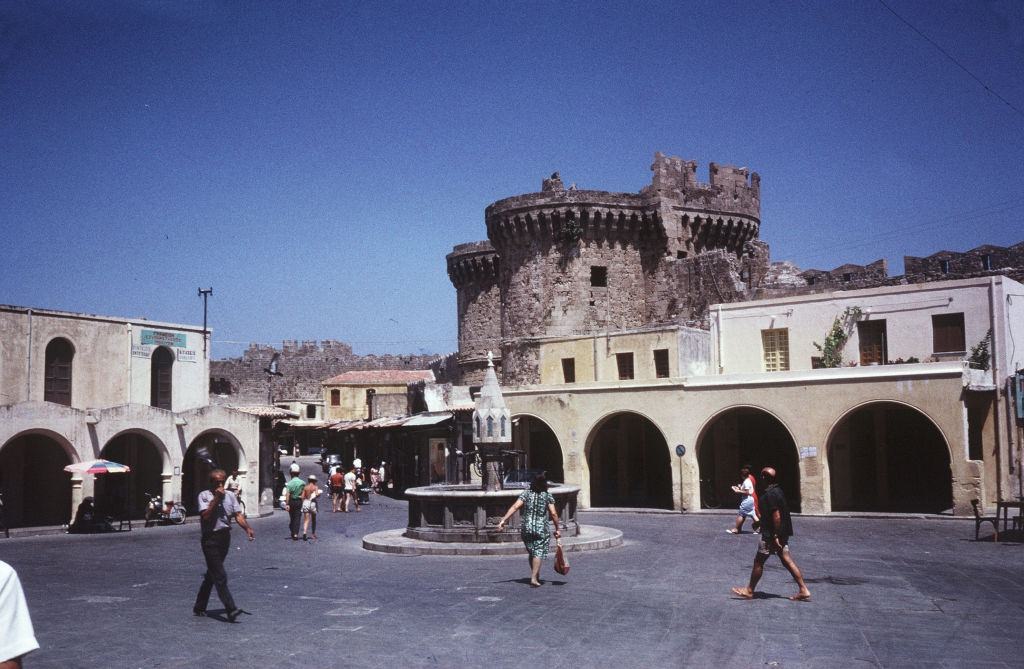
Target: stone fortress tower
x: 569, y: 262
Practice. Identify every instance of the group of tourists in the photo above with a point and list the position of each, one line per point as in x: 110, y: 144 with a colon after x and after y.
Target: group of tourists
x: 345, y: 487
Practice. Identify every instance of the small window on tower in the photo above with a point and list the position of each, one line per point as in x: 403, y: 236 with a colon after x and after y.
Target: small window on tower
x: 661, y: 363
x: 986, y: 261
x: 598, y: 277
x: 944, y: 266
x: 624, y: 361
x: 847, y: 276
x: 569, y: 370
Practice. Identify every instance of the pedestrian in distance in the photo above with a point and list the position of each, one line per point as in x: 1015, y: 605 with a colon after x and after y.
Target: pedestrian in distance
x: 350, y: 489
x: 293, y: 499
x: 217, y: 507
x: 337, y: 483
x: 537, y: 505
x: 747, y: 489
x: 234, y: 484
x: 18, y: 639
x: 309, y: 507
x: 776, y: 529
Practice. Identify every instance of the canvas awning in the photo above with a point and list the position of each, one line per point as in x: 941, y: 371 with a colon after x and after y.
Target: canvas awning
x: 423, y: 419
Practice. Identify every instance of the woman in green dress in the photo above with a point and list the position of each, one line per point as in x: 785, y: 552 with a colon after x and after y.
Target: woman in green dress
x: 537, y: 505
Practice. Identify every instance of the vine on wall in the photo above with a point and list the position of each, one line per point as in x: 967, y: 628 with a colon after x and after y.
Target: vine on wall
x: 980, y: 354
x: 837, y: 336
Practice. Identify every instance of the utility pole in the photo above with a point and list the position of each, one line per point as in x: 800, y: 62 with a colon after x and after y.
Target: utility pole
x: 205, y: 294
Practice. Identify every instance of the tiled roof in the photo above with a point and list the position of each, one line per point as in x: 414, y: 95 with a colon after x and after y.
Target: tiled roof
x: 267, y: 411
x: 380, y: 377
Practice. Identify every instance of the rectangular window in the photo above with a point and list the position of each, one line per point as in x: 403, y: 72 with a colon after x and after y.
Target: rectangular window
x: 872, y: 342
x: 310, y: 411
x: 598, y: 277
x: 624, y: 361
x: 944, y: 266
x: 986, y: 261
x: 661, y: 363
x: 569, y: 370
x: 335, y: 397
x: 775, y: 342
x: 948, y: 333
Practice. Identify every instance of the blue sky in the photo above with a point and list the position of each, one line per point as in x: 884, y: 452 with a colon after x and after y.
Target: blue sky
x: 314, y: 163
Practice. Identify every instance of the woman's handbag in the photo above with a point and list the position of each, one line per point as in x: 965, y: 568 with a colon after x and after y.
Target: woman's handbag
x: 561, y: 564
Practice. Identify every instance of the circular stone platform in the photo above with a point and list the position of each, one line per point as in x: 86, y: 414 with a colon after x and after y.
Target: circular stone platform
x: 590, y: 538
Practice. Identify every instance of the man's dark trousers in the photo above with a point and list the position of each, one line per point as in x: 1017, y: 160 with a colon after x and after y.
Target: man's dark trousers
x: 215, y: 549
x: 295, y: 515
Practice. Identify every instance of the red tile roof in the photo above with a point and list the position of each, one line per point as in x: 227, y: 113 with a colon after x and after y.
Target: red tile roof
x: 380, y: 377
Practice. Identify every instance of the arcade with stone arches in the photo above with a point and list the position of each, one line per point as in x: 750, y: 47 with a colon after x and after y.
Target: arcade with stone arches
x: 629, y: 463
x: 888, y: 456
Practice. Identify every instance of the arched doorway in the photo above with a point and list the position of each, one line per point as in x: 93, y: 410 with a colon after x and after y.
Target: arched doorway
x: 124, y: 495
x: 745, y: 436
x: 533, y: 437
x: 629, y: 464
x: 206, y: 450
x: 890, y: 457
x: 160, y: 387
x: 35, y: 487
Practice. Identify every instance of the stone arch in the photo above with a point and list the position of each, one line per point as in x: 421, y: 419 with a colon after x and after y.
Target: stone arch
x: 124, y: 495
x: 629, y: 463
x: 538, y: 441
x: 36, y: 489
x: 745, y: 434
x: 886, y: 455
x: 222, y: 447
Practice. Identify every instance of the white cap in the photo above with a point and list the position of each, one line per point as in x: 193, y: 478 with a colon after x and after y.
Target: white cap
x: 294, y: 469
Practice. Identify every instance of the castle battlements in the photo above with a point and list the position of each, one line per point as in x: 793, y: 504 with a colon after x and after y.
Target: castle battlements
x: 472, y: 262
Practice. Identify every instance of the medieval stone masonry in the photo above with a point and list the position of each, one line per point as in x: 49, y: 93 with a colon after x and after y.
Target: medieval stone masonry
x: 569, y: 262
x: 302, y: 365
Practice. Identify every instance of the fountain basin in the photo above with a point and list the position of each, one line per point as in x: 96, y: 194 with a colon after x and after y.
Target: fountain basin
x: 467, y: 514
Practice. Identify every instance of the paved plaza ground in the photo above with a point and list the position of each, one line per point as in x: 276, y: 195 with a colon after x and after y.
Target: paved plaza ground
x: 889, y: 593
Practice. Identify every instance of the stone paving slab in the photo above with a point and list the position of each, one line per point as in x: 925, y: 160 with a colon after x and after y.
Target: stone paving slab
x: 886, y: 593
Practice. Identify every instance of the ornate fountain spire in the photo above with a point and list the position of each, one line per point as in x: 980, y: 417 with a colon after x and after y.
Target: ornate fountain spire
x: 492, y: 426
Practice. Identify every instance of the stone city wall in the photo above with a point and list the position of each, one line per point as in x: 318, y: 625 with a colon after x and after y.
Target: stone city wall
x: 303, y: 365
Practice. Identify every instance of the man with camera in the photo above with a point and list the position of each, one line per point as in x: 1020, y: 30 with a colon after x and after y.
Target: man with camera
x: 217, y: 507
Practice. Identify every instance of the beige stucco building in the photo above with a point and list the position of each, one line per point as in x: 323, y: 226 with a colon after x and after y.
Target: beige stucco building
x: 910, y: 437
x: 348, y: 396
x: 77, y: 387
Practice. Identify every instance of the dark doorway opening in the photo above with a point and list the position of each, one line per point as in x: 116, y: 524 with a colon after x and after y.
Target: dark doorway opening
x: 195, y: 472
x: 533, y: 437
x: 745, y: 436
x: 889, y: 457
x: 629, y: 464
x: 35, y: 487
x: 124, y: 495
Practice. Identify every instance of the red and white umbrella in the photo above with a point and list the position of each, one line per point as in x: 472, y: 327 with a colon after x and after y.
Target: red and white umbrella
x: 98, y: 467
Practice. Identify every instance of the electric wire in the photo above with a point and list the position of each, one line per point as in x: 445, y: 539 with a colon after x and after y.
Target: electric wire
x: 953, y: 60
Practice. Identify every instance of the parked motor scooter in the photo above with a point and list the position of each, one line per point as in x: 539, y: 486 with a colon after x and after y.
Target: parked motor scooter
x: 159, y: 512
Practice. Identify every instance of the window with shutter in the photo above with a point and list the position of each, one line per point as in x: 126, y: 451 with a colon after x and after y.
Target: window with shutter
x: 872, y: 342
x: 57, y: 382
x: 775, y: 343
x: 948, y: 333
x: 624, y: 361
x: 160, y: 388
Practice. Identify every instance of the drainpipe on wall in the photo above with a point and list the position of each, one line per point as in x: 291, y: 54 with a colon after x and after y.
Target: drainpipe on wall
x: 28, y: 377
x: 131, y: 366
x: 995, y: 376
x: 718, y: 341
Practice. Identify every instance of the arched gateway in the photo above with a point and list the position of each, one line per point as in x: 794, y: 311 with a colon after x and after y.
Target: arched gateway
x: 533, y: 437
x: 124, y: 495
x: 213, y: 447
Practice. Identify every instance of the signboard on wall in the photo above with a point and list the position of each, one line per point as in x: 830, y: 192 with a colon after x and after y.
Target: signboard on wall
x: 186, y: 355
x: 141, y: 351
x: 159, y: 338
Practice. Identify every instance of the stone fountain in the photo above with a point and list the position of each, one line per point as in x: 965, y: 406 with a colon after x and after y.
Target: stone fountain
x: 463, y: 518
